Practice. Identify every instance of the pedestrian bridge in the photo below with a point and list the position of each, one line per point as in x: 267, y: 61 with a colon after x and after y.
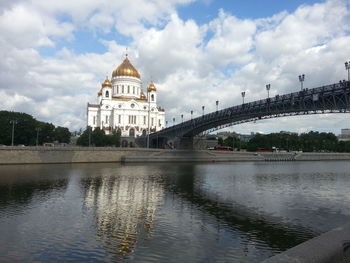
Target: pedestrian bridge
x: 332, y: 98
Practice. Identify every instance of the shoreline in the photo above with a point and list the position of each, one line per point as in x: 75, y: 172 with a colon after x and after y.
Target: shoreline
x: 47, y: 155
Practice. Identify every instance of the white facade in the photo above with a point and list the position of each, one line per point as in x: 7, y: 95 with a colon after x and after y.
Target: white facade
x: 123, y: 105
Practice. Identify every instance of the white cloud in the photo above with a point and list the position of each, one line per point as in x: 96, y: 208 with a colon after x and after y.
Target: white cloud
x: 232, y: 40
x: 192, y: 65
x: 166, y: 51
x: 309, y: 26
x: 22, y: 26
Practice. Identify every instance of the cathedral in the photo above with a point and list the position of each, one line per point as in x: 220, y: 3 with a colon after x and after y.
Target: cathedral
x: 123, y: 105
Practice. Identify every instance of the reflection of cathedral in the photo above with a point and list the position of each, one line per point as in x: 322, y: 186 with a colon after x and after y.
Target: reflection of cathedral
x: 123, y: 105
x: 124, y: 206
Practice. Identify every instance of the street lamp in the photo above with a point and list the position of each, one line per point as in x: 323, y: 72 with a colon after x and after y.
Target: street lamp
x: 182, y: 118
x: 268, y: 86
x: 37, y: 135
x: 13, y: 122
x: 243, y: 95
x: 217, y: 105
x: 149, y: 116
x: 166, y: 124
x: 301, y: 79
x: 89, y: 128
x: 174, y: 121
x: 191, y: 114
x: 203, y: 110
x: 347, y: 67
x: 233, y: 143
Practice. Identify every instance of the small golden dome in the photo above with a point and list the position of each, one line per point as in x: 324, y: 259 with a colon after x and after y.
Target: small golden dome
x: 151, y: 87
x: 143, y: 96
x: 126, y: 69
x: 106, y: 83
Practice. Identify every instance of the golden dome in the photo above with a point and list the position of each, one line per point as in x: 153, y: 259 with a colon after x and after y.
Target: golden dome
x: 151, y: 87
x: 143, y: 96
x: 126, y: 69
x: 106, y: 83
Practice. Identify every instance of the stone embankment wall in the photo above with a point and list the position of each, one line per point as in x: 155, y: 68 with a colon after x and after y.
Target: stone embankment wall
x: 279, y: 156
x: 42, y: 155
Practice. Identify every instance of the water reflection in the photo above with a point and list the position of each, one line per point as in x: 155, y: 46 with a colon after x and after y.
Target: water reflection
x: 191, y: 183
x: 124, y: 204
x: 241, y: 212
x: 20, y: 184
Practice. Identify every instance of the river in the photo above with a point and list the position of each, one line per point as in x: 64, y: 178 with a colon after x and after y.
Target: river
x: 227, y: 212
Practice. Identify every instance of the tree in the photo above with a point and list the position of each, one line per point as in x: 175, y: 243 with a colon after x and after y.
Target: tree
x: 62, y: 134
x: 307, y: 142
x: 46, y: 133
x: 232, y: 142
x: 114, y: 138
x: 25, y: 129
x: 83, y: 139
x: 98, y: 137
x: 220, y: 141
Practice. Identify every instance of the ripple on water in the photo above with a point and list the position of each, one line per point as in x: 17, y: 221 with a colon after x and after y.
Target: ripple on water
x: 178, y: 213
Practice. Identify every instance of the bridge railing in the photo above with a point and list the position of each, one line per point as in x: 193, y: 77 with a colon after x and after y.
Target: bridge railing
x: 263, y: 105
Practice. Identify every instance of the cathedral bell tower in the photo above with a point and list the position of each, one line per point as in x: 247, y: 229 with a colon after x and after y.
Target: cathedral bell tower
x: 152, y: 93
x: 106, y: 90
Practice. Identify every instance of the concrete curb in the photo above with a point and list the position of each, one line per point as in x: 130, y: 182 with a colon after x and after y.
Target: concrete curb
x: 332, y: 246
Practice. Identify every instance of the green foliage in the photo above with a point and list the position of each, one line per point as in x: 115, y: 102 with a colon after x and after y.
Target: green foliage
x: 220, y: 141
x: 62, y: 134
x: 307, y: 142
x: 233, y: 142
x: 83, y: 139
x: 26, y: 130
x: 98, y: 138
x: 46, y: 132
x: 114, y: 138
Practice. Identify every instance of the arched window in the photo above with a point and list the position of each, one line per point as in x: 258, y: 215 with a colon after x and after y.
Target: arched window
x: 132, y: 132
x: 107, y: 94
x: 152, y: 97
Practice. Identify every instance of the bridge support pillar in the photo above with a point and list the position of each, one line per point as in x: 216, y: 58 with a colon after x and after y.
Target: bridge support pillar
x: 185, y: 143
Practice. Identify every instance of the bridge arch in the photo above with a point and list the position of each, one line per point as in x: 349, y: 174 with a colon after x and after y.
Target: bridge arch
x: 332, y: 98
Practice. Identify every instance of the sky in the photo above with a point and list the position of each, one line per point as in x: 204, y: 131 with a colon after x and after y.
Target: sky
x: 55, y: 54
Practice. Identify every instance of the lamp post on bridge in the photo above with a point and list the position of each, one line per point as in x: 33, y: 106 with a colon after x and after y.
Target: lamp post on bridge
x: 203, y: 110
x: 191, y: 114
x: 268, y: 87
x: 13, y: 122
x: 217, y: 105
x: 347, y: 67
x: 243, y: 95
x: 301, y: 79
